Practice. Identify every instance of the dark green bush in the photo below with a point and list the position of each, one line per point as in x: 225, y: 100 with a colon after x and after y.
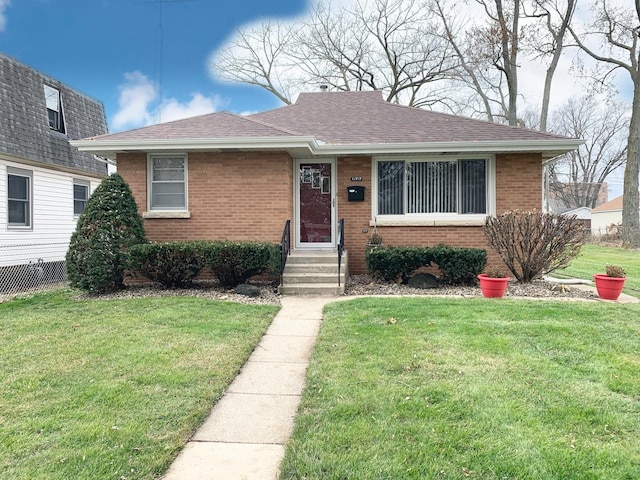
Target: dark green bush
x: 234, y: 263
x: 173, y: 264
x: 108, y: 228
x: 392, y: 262
x: 459, y: 266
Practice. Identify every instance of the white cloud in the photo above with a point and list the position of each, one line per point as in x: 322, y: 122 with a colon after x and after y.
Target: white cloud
x: 4, y: 4
x: 172, y: 109
x: 138, y: 106
x: 136, y: 97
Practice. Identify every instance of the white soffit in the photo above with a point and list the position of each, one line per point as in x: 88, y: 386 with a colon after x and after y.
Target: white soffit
x: 110, y: 148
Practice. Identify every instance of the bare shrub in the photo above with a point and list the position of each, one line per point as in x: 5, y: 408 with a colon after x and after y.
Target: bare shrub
x: 534, y: 243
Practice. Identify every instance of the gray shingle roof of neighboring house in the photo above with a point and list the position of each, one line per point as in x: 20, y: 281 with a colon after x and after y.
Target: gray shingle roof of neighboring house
x: 24, y: 125
x: 334, y: 123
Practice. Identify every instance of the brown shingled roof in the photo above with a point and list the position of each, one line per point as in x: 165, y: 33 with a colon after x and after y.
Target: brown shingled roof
x: 214, y: 125
x: 332, y: 123
x: 366, y: 118
x: 615, y: 204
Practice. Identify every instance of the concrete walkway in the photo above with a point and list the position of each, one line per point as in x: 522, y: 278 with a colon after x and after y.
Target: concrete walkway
x: 244, y: 436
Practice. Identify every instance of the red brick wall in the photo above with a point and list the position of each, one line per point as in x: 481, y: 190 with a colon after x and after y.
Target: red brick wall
x: 248, y: 196
x: 518, y: 186
x: 232, y: 196
x: 518, y: 182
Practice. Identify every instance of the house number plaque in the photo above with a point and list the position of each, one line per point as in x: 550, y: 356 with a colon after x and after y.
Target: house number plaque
x: 356, y: 179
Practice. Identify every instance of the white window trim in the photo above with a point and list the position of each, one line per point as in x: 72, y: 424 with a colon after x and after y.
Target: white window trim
x: 19, y: 172
x: 84, y: 183
x: 433, y: 219
x: 59, y: 109
x: 182, y: 212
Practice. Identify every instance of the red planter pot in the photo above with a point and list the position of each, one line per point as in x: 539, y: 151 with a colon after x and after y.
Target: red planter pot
x: 609, y: 288
x: 493, y: 287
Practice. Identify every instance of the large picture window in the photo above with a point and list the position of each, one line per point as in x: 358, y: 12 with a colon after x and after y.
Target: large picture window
x: 445, y: 188
x: 168, y: 182
x: 19, y: 197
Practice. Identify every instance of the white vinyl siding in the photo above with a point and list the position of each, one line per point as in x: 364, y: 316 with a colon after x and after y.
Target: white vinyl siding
x: 52, y: 216
x: 425, y: 189
x: 168, y: 182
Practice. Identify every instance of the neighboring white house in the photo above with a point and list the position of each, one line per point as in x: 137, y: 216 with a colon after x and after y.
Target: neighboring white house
x: 581, y: 213
x: 44, y: 181
x: 606, y: 217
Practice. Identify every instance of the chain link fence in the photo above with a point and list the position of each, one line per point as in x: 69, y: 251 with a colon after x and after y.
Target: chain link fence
x: 31, y: 267
x: 610, y: 234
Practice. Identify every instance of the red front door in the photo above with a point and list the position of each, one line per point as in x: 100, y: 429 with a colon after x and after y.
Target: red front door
x: 315, y: 205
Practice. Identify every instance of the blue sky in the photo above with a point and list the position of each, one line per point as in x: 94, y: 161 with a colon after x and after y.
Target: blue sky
x: 110, y: 50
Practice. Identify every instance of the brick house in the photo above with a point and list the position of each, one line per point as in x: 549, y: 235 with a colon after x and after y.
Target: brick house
x: 420, y: 177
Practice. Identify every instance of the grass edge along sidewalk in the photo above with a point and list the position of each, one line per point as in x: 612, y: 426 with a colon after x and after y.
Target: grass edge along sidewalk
x: 593, y: 258
x: 418, y: 388
x: 113, y: 389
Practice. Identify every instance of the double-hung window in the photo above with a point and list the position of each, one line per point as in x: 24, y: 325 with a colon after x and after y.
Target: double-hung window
x: 168, y: 182
x: 19, y: 196
x: 54, y: 109
x: 431, y: 189
x: 80, y: 196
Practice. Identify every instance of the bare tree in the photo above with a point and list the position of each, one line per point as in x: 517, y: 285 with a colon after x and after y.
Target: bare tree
x: 494, y: 44
x: 487, y: 46
x: 389, y: 45
x: 548, y: 41
x: 482, y: 83
x: 259, y: 56
x: 577, y: 177
x: 612, y: 39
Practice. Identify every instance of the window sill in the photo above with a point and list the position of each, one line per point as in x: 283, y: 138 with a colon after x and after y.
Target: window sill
x: 59, y: 134
x: 20, y: 228
x: 474, y: 221
x: 167, y: 214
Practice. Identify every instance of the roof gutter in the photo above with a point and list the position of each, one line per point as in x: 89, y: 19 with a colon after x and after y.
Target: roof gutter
x: 549, y: 148
x: 309, y: 145
x: 110, y: 148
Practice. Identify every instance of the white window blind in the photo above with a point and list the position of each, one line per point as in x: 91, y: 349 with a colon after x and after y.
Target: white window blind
x: 432, y: 187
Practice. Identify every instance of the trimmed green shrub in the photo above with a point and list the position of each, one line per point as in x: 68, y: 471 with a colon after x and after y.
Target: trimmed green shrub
x: 108, y: 227
x: 173, y: 264
x: 392, y: 262
x: 459, y: 266
x: 234, y: 263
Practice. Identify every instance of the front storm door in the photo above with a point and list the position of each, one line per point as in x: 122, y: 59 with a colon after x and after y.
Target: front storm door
x: 315, y: 205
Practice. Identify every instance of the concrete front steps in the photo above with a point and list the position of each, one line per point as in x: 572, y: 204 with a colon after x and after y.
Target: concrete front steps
x: 313, y: 272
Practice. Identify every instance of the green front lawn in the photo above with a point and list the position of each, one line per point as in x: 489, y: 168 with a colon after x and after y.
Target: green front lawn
x: 113, y: 389
x: 425, y: 388
x: 593, y: 259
